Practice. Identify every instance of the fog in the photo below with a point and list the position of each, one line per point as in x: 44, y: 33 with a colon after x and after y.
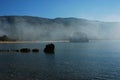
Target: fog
x: 55, y: 29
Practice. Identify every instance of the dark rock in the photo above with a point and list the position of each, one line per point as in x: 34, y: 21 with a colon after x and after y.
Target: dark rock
x: 14, y: 50
x: 49, y: 48
x: 35, y: 50
x: 25, y: 50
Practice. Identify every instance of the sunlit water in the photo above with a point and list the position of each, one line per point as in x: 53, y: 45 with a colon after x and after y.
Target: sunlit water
x: 96, y: 60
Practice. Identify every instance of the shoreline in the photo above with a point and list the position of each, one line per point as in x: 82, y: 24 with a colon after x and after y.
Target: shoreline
x: 7, y: 42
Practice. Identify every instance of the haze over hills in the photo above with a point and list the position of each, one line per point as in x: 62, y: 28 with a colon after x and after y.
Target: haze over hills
x: 37, y: 28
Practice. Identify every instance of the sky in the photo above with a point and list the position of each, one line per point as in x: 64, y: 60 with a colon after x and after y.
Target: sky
x: 103, y: 10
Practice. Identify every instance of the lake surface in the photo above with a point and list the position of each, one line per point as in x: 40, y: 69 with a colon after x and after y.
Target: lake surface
x: 95, y: 60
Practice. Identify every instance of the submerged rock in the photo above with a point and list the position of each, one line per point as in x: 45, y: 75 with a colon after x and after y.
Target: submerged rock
x: 16, y: 50
x: 35, y: 50
x: 49, y: 48
x: 25, y: 50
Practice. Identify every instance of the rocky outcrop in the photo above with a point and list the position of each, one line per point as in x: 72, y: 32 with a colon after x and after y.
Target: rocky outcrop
x: 49, y: 48
x: 22, y: 50
x: 25, y: 50
x: 35, y: 50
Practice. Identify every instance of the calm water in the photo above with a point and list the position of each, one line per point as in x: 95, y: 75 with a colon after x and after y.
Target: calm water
x: 96, y: 60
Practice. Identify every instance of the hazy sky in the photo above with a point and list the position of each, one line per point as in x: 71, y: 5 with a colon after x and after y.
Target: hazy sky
x: 105, y: 10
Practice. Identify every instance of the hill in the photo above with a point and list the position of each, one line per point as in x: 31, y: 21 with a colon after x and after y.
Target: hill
x: 37, y: 28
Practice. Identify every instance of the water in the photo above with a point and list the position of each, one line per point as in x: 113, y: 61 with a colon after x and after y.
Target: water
x: 96, y: 60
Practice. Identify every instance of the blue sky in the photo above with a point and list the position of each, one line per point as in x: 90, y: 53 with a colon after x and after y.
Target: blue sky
x: 104, y: 10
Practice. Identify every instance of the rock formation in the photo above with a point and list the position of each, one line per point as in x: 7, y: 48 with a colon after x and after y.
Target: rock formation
x: 25, y: 50
x: 49, y: 48
x: 35, y: 50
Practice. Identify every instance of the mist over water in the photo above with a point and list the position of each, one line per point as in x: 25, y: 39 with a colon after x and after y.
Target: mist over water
x: 34, y: 28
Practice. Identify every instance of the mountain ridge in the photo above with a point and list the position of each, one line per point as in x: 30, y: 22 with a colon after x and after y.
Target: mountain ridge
x: 39, y: 28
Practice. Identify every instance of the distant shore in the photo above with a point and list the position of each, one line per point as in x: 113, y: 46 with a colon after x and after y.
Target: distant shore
x: 31, y: 41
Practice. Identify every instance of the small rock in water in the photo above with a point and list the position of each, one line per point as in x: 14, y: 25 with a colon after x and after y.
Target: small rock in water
x: 15, y: 50
x: 35, y: 50
x: 49, y: 48
x: 25, y: 50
